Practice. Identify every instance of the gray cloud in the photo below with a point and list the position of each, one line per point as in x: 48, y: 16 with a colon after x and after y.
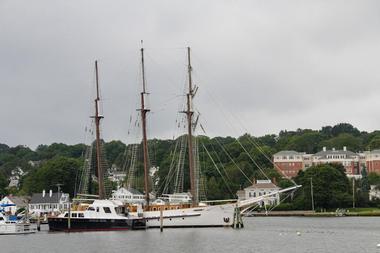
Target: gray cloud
x: 270, y: 64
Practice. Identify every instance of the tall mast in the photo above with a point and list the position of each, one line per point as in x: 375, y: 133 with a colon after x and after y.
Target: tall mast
x: 189, y: 114
x: 97, y: 124
x: 143, y: 123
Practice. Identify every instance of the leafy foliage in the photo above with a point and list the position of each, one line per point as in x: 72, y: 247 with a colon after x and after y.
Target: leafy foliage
x: 330, y: 187
x: 228, y: 165
x: 59, y: 170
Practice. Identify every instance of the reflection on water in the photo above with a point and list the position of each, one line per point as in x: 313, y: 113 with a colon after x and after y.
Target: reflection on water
x: 261, y: 234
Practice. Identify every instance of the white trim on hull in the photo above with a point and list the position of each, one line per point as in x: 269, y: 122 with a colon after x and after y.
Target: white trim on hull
x: 204, y: 216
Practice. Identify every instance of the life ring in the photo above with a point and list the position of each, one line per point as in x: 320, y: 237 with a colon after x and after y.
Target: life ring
x: 226, y: 219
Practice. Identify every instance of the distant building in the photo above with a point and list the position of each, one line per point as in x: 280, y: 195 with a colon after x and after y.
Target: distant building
x: 19, y: 202
x: 14, y: 179
x: 117, y: 177
x: 260, y: 188
x: 48, y: 203
x: 374, y: 192
x: 349, y: 159
x: 372, y: 159
x: 131, y: 196
x: 34, y: 163
x: 153, y: 170
x: 290, y: 162
x: 13, y: 183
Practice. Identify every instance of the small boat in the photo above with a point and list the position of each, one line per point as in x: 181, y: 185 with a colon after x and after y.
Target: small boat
x: 10, y: 224
x: 101, y: 215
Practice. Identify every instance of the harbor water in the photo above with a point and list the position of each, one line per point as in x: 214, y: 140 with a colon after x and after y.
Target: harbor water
x: 261, y: 234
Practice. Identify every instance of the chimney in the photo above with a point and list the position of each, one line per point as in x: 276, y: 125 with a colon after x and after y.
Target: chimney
x: 274, y: 181
x: 43, y: 193
x: 50, y: 193
x: 324, y: 148
x: 344, y: 148
x: 254, y: 181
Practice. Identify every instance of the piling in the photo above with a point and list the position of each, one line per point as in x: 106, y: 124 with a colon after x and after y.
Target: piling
x: 69, y: 219
x: 238, y: 221
x: 38, y: 222
x: 162, y: 219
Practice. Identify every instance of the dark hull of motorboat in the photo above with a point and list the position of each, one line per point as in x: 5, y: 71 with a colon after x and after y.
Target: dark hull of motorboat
x: 83, y: 224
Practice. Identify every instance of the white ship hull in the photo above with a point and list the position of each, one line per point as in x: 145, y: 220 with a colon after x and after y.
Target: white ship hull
x: 16, y: 228
x: 207, y: 216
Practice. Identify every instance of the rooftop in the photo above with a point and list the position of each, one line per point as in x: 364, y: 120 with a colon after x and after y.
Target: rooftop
x: 336, y: 152
x: 38, y: 198
x: 289, y: 152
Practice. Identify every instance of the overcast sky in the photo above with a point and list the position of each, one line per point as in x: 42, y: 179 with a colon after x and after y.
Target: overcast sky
x: 261, y: 66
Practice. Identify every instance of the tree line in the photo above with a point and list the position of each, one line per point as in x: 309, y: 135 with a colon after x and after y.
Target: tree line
x: 227, y: 163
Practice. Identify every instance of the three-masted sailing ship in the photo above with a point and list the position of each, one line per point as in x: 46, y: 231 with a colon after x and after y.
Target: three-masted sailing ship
x: 192, y: 213
x: 100, y: 214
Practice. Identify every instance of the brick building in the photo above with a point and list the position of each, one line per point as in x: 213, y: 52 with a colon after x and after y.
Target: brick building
x: 290, y: 162
x: 349, y: 159
x: 372, y: 161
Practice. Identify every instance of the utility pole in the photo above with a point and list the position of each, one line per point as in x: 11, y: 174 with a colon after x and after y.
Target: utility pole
x: 353, y: 192
x: 312, y: 193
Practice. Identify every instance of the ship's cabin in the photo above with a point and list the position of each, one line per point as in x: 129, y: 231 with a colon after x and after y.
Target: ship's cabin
x: 105, y: 208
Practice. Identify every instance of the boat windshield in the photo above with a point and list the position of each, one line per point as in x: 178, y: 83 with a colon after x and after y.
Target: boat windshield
x: 121, y: 210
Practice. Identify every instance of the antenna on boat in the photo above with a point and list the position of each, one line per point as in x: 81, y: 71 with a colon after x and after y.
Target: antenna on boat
x: 143, y: 123
x: 98, y: 117
x: 189, y: 112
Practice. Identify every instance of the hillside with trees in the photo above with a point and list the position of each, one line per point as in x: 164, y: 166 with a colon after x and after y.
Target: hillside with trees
x: 227, y: 166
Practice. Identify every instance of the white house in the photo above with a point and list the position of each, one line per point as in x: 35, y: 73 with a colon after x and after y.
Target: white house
x: 48, y: 203
x: 131, y: 196
x: 117, y: 177
x: 374, y: 192
x: 14, y: 179
x: 19, y: 202
x: 260, y: 188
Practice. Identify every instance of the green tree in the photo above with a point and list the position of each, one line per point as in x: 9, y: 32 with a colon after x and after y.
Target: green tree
x: 344, y: 128
x: 59, y: 170
x: 330, y: 187
x: 374, y: 143
x: 364, y: 186
x: 3, y: 184
x: 307, y: 142
x: 373, y: 178
x: 344, y: 140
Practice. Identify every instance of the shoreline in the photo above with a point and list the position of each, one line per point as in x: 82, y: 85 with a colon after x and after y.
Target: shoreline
x: 313, y: 214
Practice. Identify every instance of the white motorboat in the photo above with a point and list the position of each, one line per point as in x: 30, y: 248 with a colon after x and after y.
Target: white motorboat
x: 10, y: 224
